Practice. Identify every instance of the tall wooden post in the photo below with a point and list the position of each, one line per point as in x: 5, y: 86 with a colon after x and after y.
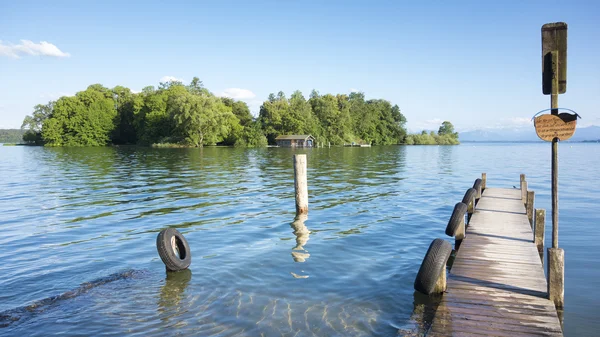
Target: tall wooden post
x: 300, y: 183
x: 554, y: 76
x: 524, y: 191
x: 554, y: 106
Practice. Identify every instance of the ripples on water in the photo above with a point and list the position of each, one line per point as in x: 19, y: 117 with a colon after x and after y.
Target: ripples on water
x: 74, y: 215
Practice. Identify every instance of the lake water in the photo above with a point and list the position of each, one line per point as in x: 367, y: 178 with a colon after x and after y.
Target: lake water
x: 76, y: 215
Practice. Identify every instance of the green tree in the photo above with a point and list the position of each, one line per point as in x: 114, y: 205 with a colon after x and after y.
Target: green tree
x: 128, y: 106
x: 446, y: 129
x: 200, y: 120
x: 33, y: 124
x: 272, y: 114
x: 196, y: 87
x: 153, y: 123
x: 86, y: 119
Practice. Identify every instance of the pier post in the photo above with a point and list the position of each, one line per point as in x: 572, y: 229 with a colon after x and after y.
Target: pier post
x: 300, y: 183
x: 529, y: 207
x: 440, y: 284
x: 479, y: 190
x: 540, y: 222
x: 470, y: 208
x: 524, y: 191
x: 460, y: 233
x: 556, y: 276
x: 483, y: 181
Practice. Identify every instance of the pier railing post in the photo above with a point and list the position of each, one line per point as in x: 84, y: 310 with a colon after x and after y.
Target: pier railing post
x: 556, y: 276
x: 540, y: 222
x: 524, y: 191
x: 470, y: 209
x: 529, y: 206
x: 440, y: 285
x: 460, y: 232
x: 483, y: 181
x: 300, y: 183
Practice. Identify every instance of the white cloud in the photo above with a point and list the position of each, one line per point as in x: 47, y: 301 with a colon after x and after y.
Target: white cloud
x: 135, y: 91
x: 254, y: 106
x: 354, y: 90
x: 520, y: 121
x: 27, y: 47
x: 430, y: 124
x: 170, y: 79
x: 55, y: 95
x: 237, y: 93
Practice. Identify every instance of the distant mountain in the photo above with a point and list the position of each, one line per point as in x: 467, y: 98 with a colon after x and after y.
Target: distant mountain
x: 588, y: 133
x: 523, y: 135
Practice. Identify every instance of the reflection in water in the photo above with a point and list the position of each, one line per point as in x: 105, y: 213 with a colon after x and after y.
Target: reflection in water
x: 302, y: 235
x: 172, y: 292
x: 446, y: 159
x: 424, y: 308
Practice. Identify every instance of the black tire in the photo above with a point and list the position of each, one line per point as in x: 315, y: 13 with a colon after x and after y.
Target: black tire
x: 434, y: 263
x: 459, y: 211
x: 477, y: 184
x: 470, y: 194
x: 173, y: 249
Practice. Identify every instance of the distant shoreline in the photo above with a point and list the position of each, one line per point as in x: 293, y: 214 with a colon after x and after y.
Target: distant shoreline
x: 527, y: 141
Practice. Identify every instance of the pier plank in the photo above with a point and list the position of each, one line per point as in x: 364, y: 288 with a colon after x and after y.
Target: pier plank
x: 497, y: 285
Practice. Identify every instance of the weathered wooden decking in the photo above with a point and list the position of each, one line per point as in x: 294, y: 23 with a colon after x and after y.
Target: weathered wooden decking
x: 496, y: 286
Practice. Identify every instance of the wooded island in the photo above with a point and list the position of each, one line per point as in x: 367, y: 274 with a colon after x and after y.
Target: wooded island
x: 175, y: 114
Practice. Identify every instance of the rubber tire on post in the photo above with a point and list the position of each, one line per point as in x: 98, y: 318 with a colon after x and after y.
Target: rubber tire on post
x: 168, y: 242
x: 470, y: 194
x: 459, y: 211
x: 477, y: 184
x: 434, y: 263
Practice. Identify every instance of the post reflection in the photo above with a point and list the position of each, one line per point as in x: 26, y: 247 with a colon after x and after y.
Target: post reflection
x: 302, y: 235
x: 172, y: 292
x: 424, y: 308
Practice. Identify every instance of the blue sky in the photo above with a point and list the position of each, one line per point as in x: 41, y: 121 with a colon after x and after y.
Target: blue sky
x: 477, y: 64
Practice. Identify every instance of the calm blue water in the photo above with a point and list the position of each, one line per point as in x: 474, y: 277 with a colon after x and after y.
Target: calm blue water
x: 76, y: 215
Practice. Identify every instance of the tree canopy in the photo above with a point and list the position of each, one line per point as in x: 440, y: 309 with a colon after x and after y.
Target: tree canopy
x: 444, y: 136
x: 190, y: 115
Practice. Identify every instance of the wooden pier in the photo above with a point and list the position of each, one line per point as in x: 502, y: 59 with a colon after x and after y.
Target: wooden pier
x: 497, y: 286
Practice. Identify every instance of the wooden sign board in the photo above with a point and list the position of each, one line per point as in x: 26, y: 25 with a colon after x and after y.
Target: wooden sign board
x: 554, y: 38
x: 561, y: 126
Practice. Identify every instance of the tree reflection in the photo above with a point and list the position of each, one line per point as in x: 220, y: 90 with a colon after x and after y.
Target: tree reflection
x: 302, y: 235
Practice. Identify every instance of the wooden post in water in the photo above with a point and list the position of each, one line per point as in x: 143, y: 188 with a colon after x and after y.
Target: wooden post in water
x: 483, y: 181
x: 529, y: 206
x: 540, y: 221
x: 300, y: 183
